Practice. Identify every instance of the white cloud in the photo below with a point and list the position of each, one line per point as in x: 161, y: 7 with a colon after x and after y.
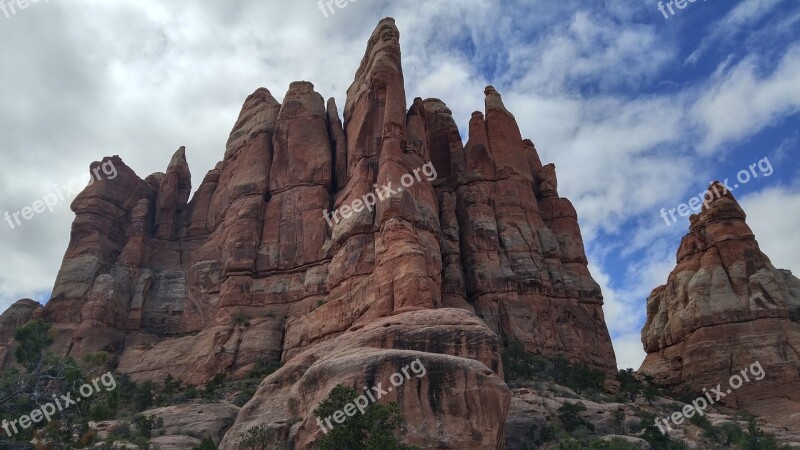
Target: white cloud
x: 773, y: 214
x: 739, y: 103
x: 743, y: 14
x: 629, y: 350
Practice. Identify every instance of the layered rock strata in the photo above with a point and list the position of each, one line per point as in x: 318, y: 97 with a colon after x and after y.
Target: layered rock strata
x: 725, y: 308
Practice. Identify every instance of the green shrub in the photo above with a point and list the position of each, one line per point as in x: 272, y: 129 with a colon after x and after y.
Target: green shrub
x: 685, y: 395
x: 146, y: 425
x: 569, y: 415
x: 241, y: 319
x: 700, y: 421
x: 216, y: 382
x: 141, y: 442
x: 136, y: 397
x: 519, y: 365
x: 757, y: 439
x: 32, y: 338
x: 211, y: 389
x: 550, y: 431
x: 654, y: 436
x: 754, y: 438
x: 96, y: 359
x: 206, y: 444
x: 264, y: 368
x: 244, y: 396
x: 631, y: 387
x: 571, y: 444
x: 618, y: 421
x: 121, y: 431
x: 101, y: 412
x: 373, y: 430
x: 262, y: 437
x: 38, y: 377
x: 598, y: 444
x: 171, y: 385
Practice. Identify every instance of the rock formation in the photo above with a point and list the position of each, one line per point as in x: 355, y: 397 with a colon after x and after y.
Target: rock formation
x: 15, y: 316
x: 307, y: 244
x: 724, y: 308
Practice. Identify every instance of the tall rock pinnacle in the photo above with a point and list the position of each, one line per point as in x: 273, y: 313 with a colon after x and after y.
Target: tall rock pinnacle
x: 725, y: 307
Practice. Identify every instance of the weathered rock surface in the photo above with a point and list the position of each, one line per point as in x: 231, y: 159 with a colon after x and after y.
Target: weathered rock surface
x: 174, y: 442
x: 198, y: 420
x: 17, y: 315
x: 724, y: 308
x: 345, y: 249
x: 460, y: 369
x: 534, y: 407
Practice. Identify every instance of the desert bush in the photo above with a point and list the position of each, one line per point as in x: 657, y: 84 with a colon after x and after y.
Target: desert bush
x: 519, y: 365
x: 373, y: 430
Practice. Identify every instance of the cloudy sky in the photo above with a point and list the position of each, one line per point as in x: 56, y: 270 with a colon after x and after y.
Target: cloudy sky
x: 638, y: 109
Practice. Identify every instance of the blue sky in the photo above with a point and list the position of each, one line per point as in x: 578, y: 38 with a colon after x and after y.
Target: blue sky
x: 638, y: 112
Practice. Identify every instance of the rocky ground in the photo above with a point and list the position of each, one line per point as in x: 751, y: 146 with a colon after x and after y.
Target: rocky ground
x: 536, y: 420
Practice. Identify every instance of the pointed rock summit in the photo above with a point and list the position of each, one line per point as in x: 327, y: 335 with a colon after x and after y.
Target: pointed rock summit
x: 344, y: 251
x: 723, y: 309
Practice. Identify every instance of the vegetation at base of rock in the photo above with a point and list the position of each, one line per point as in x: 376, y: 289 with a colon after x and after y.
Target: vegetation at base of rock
x: 632, y: 386
x: 654, y: 436
x: 144, y: 427
x: 373, y: 430
x: 570, y: 417
x: 147, y: 424
x: 212, y: 386
x: 206, y: 444
x: 262, y: 437
x: 244, y: 396
x: 727, y: 435
x: 732, y: 435
x: 263, y: 369
x: 574, y: 426
x: 598, y: 444
x: 521, y: 366
x: 241, y: 319
x: 33, y: 338
x: 37, y: 377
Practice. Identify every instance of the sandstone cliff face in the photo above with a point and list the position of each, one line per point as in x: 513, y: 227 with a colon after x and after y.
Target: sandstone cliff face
x: 479, y: 250
x: 725, y: 307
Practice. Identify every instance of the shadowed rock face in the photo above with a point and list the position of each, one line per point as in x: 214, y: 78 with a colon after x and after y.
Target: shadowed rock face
x: 478, y: 251
x: 724, y: 308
